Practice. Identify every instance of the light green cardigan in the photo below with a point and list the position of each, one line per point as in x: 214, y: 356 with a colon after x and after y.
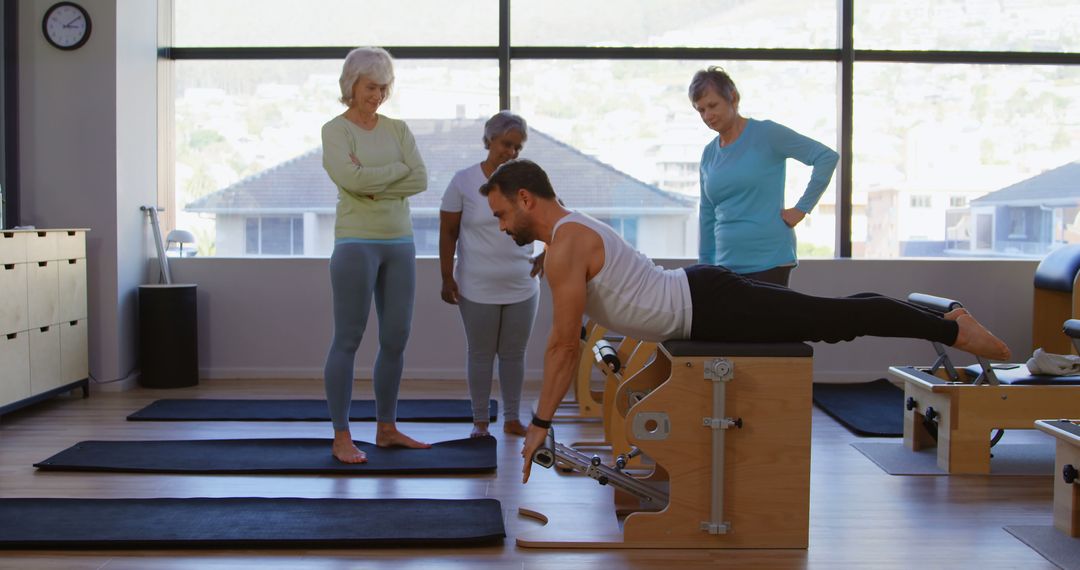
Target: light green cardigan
x: 372, y: 196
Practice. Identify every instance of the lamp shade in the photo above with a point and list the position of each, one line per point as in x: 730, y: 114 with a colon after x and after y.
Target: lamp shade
x: 180, y: 236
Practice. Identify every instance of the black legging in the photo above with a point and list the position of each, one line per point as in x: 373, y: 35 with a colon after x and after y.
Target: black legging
x: 777, y: 275
x: 729, y: 307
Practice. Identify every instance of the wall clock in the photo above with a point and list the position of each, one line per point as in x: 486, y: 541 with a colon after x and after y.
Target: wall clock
x: 66, y: 25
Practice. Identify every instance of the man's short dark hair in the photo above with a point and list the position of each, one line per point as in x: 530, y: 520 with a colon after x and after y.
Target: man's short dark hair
x: 519, y: 173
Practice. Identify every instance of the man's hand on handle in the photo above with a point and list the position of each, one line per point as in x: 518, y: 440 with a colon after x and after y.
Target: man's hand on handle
x: 534, y: 438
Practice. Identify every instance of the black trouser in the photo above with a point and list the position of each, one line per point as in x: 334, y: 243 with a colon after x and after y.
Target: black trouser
x: 777, y: 275
x: 729, y: 307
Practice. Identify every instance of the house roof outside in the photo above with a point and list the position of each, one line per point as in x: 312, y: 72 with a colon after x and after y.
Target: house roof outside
x: 1058, y: 186
x: 447, y: 145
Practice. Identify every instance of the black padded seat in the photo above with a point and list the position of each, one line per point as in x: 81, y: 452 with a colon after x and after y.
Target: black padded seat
x: 1072, y: 328
x: 1021, y: 376
x: 761, y: 349
x: 1058, y: 269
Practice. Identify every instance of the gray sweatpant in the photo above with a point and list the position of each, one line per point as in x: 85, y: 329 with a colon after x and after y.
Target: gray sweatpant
x: 501, y: 330
x: 359, y: 271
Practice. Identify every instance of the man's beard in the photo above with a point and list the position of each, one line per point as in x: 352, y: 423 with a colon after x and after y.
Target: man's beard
x: 522, y: 237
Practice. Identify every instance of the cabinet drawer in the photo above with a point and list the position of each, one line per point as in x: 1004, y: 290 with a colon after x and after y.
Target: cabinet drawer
x: 40, y: 246
x: 70, y: 244
x: 44, y: 359
x: 73, y: 351
x: 72, y: 289
x: 14, y: 367
x: 12, y: 247
x: 13, y: 316
x: 43, y: 293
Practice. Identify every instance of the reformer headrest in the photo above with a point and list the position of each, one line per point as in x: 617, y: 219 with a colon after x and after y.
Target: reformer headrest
x: 1072, y: 328
x: 705, y: 348
x: 1057, y: 271
x: 936, y: 303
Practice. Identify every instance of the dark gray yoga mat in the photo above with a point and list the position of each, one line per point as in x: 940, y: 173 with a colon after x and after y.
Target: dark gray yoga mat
x: 271, y: 456
x: 247, y: 523
x: 176, y: 410
x: 1009, y: 459
x: 874, y: 409
x: 1051, y: 543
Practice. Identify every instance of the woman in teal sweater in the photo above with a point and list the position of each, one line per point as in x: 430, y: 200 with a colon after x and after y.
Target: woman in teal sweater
x: 374, y: 162
x: 743, y: 223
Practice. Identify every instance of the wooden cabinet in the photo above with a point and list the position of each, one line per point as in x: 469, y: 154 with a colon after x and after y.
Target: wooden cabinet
x: 43, y: 339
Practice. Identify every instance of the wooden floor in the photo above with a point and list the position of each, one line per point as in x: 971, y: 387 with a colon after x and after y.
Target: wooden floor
x: 860, y: 517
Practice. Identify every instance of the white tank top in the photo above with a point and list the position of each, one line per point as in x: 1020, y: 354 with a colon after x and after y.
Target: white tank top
x: 631, y: 295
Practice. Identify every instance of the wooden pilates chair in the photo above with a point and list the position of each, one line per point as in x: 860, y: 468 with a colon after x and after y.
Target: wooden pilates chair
x: 957, y: 408
x: 727, y: 427
x: 601, y: 351
x: 1057, y: 297
x: 615, y: 363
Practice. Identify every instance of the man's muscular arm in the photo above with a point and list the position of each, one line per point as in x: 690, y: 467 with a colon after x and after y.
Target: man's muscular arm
x: 566, y: 269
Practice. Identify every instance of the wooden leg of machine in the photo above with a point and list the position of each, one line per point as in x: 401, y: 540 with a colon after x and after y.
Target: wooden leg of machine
x: 1066, y: 495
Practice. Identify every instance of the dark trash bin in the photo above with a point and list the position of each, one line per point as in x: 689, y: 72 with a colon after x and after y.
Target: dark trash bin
x: 168, y: 336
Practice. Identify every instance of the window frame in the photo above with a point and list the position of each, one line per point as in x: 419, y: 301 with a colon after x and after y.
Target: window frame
x: 844, y: 55
x: 9, y: 147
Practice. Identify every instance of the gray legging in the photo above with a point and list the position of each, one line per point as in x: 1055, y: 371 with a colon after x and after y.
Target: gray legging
x: 357, y: 271
x: 503, y: 330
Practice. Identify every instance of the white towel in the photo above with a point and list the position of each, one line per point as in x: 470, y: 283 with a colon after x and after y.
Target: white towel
x: 1043, y: 362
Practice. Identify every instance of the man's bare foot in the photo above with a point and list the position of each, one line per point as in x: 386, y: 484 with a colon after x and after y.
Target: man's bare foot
x: 345, y: 450
x: 387, y: 435
x: 480, y: 429
x: 955, y: 314
x: 514, y: 427
x: 974, y: 338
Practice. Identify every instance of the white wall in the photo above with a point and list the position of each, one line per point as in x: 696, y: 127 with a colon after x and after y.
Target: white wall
x: 272, y: 317
x: 87, y: 143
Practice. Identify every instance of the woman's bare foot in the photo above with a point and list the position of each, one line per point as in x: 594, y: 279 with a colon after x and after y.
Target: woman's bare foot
x: 387, y: 435
x: 955, y: 314
x: 974, y: 338
x: 345, y: 450
x: 514, y: 427
x: 480, y: 429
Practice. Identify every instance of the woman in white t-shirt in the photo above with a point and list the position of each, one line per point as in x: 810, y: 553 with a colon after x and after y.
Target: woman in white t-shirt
x: 494, y: 283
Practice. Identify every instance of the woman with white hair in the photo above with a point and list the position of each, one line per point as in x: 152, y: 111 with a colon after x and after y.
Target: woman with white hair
x: 494, y: 283
x: 374, y: 162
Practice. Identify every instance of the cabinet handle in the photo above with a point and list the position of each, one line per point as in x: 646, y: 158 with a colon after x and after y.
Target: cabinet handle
x: 12, y: 335
x: 42, y: 263
x: 9, y: 266
x: 44, y: 329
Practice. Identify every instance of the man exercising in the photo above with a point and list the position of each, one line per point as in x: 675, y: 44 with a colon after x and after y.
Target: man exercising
x: 591, y: 270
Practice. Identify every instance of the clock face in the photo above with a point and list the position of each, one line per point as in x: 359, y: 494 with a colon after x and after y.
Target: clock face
x: 66, y: 25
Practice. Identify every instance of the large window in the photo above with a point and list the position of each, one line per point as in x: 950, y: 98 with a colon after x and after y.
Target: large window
x: 636, y: 117
x: 959, y: 135
x: 248, y: 140
x: 276, y: 23
x: 939, y: 143
x: 982, y: 25
x: 675, y: 23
